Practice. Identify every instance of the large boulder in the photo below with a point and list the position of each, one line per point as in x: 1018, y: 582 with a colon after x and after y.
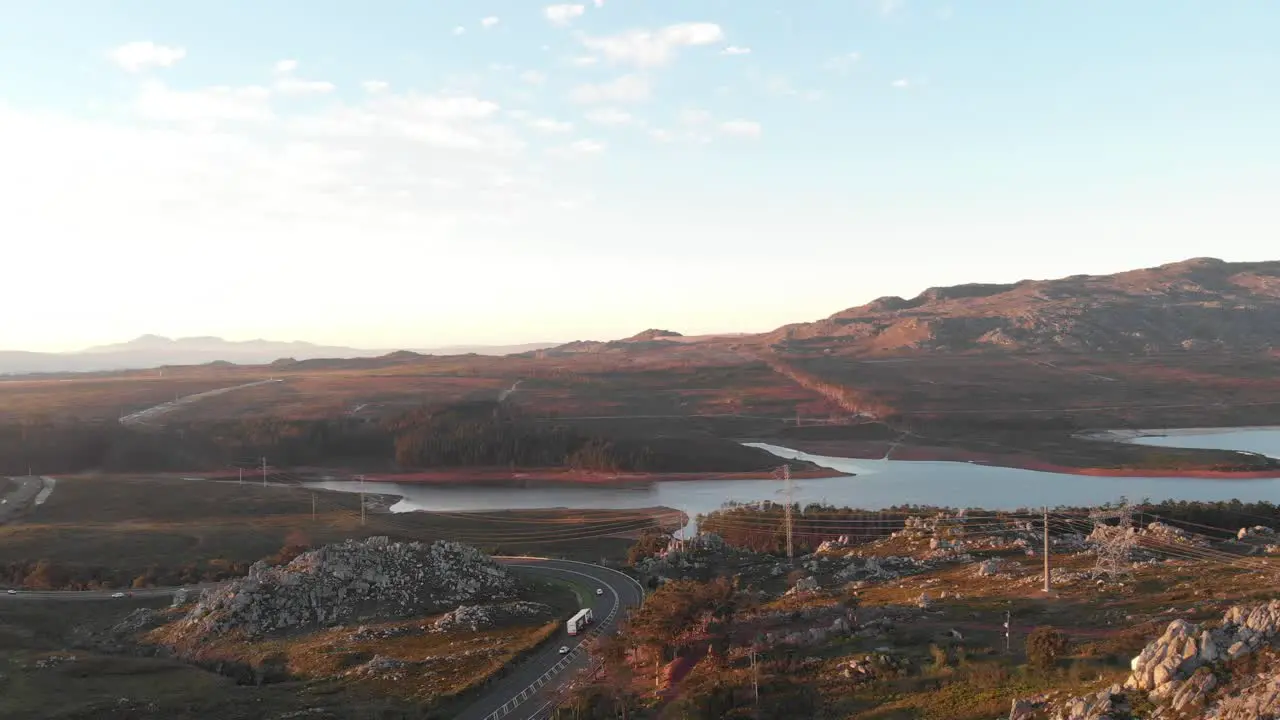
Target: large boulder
x: 355, y: 579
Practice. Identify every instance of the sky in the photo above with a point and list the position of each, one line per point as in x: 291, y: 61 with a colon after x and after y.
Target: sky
x: 424, y: 173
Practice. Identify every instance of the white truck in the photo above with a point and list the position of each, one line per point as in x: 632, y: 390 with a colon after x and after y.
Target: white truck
x: 579, y: 621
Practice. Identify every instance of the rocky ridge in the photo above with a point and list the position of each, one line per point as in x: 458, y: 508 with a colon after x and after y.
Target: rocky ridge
x: 1188, y: 672
x: 337, y: 583
x: 1196, y: 305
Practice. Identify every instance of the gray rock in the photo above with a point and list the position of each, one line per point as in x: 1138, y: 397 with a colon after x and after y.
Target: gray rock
x: 1022, y: 710
x: 340, y: 582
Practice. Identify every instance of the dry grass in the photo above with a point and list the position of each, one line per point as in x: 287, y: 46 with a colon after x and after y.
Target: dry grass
x: 126, y: 525
x: 437, y: 665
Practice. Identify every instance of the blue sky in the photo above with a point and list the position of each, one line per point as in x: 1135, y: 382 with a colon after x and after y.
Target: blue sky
x: 409, y: 174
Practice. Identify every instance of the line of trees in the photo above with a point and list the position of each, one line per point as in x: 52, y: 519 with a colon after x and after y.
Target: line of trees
x: 458, y: 435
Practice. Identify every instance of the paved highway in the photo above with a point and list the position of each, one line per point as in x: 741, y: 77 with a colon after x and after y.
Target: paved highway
x: 621, y: 592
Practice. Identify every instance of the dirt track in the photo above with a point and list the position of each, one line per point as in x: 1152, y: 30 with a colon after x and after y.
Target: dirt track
x: 22, y: 492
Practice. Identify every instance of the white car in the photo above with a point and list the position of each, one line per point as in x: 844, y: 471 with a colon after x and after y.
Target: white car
x: 117, y: 595
x: 599, y: 591
x: 13, y: 592
x: 564, y: 650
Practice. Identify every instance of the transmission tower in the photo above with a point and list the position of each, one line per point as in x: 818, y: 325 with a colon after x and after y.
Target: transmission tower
x: 784, y: 474
x: 1115, y: 552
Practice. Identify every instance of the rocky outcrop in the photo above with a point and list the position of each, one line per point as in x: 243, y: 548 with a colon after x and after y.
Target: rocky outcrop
x: 337, y: 583
x: 1183, y: 670
x: 1108, y: 704
x: 477, y: 617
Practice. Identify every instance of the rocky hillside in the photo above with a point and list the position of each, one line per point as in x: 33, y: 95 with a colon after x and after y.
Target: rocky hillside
x: 338, y: 583
x: 1195, y: 305
x: 1226, y: 671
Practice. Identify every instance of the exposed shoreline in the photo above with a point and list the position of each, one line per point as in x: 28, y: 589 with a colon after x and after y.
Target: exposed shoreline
x: 505, y: 477
x: 1021, y: 461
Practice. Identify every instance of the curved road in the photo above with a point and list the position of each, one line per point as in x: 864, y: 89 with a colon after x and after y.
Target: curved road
x: 502, y: 700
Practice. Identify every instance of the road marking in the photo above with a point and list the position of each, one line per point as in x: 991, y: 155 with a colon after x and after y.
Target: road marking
x: 515, y: 702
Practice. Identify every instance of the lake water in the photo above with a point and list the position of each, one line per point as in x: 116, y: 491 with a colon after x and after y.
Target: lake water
x: 873, y: 485
x: 1264, y: 440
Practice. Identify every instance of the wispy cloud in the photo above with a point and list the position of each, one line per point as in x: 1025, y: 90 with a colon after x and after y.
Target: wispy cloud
x: 742, y: 128
x: 645, y: 48
x: 489, y: 22
x: 144, y: 55
x: 289, y: 84
x: 549, y: 125
x: 610, y: 116
x: 626, y: 89
x: 736, y: 50
x: 563, y: 14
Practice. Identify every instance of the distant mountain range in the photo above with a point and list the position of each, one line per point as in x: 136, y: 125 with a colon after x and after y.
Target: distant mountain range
x: 152, y: 351
x: 1202, y: 304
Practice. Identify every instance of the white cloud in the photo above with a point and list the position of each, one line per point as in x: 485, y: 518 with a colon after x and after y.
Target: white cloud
x: 585, y: 147
x: 407, y: 175
x: 489, y: 21
x: 644, y: 48
x: 741, y: 128
x: 780, y: 86
x: 143, y: 55
x: 583, y: 61
x: 210, y: 105
x: 599, y: 3
x: 563, y: 14
x: 736, y: 50
x: 626, y: 89
x: 902, y: 83
x: 548, y: 125
x: 533, y: 77
x: 842, y: 63
x: 660, y: 135
x: 459, y: 30
x: 375, y: 86
x: 294, y: 86
x: 287, y: 84
x: 610, y: 116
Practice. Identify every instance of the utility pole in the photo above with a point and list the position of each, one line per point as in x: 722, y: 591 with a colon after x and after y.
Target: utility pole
x: 1046, y: 549
x: 313, y: 507
x: 755, y: 679
x: 264, y: 472
x: 362, y: 501
x: 1007, y: 616
x: 241, y: 475
x: 785, y: 470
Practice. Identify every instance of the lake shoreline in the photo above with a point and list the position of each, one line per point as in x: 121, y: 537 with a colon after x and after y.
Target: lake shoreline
x: 1027, y: 461
x: 505, y: 477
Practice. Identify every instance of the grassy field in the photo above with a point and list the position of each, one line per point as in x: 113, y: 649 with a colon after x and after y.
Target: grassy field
x: 112, y: 530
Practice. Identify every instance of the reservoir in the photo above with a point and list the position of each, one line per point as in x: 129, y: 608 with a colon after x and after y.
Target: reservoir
x: 875, y: 484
